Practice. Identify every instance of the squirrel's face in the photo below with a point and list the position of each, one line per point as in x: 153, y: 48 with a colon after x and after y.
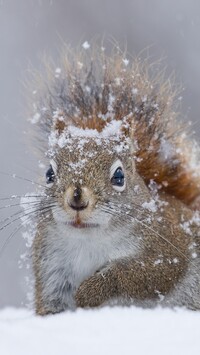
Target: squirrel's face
x: 91, y: 180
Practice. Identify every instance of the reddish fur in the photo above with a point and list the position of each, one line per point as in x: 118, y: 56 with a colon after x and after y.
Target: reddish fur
x: 177, y: 181
x: 68, y: 93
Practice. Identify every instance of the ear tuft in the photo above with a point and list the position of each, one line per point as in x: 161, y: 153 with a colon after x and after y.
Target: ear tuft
x: 59, y: 126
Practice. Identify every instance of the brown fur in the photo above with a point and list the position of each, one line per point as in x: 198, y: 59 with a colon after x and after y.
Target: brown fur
x: 140, y: 278
x: 89, y: 94
x: 150, y: 111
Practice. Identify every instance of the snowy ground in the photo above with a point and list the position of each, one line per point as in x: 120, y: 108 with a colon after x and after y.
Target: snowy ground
x: 106, y: 331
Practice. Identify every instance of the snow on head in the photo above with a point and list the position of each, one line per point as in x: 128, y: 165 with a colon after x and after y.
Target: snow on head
x: 112, y: 132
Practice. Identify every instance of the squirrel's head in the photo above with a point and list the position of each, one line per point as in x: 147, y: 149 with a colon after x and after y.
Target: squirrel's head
x: 92, y: 178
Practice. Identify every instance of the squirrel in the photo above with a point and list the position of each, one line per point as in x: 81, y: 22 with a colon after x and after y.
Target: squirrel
x: 118, y: 223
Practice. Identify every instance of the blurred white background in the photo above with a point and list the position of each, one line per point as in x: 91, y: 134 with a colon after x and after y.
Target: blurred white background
x: 30, y: 27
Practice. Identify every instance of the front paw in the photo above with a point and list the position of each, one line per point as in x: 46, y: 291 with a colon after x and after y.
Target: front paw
x: 93, y: 292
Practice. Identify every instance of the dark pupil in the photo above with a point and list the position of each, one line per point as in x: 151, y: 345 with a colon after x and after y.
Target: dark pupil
x: 50, y: 175
x: 118, y: 177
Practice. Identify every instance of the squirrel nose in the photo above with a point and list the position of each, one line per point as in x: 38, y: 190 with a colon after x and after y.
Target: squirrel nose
x: 76, y: 203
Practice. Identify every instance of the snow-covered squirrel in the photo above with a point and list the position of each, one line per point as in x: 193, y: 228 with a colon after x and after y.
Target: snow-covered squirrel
x: 117, y: 222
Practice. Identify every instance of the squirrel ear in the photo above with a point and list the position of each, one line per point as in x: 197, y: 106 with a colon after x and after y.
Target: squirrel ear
x: 59, y: 126
x: 59, y: 123
x: 127, y: 127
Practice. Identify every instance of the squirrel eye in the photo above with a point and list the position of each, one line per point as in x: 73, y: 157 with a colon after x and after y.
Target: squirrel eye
x: 50, y: 175
x: 117, y: 177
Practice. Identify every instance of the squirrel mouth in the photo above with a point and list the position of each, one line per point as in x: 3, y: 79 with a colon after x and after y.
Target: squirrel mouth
x: 77, y: 224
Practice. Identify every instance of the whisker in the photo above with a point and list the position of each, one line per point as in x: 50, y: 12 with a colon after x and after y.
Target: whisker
x: 13, y: 197
x: 22, y: 211
x: 146, y: 213
x: 35, y: 202
x: 19, y: 226
x: 157, y: 234
x: 14, y: 176
x: 165, y: 239
x: 13, y: 215
x: 26, y: 214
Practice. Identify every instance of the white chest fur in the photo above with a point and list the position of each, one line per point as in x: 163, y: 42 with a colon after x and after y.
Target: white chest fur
x: 72, y: 254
